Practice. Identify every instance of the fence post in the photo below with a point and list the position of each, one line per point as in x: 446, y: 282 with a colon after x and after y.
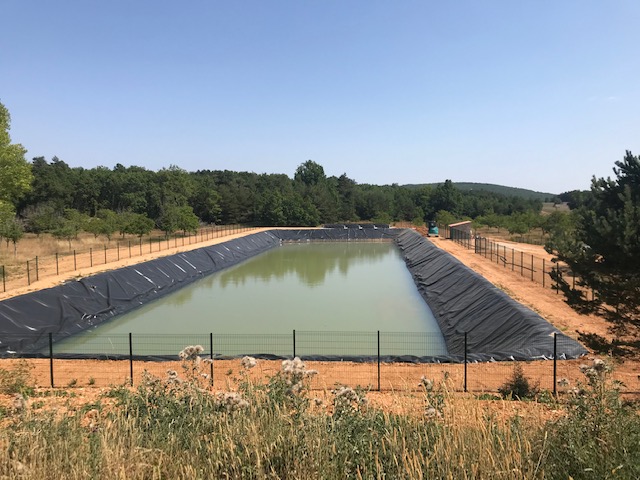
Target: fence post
x: 4, y: 280
x: 57, y: 267
x: 465, y: 361
x: 118, y: 248
x: 378, y: 360
x: 555, y: 364
x: 105, y: 254
x: 129, y: 248
x: 28, y: 274
x: 521, y: 263
x: 543, y: 273
x: 131, y: 358
x: 150, y: 245
x: 294, y: 344
x: 51, y: 358
x: 211, y: 358
x: 140, y: 243
x: 37, y: 272
x: 532, y: 268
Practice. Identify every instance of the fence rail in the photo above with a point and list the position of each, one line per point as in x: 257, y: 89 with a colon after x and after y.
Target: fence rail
x: 41, y: 267
x: 383, y: 363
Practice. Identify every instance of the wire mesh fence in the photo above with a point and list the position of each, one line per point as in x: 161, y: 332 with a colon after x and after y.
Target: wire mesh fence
x: 383, y: 361
x: 73, y: 260
x: 521, y: 263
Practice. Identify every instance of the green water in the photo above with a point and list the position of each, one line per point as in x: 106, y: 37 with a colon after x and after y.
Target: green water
x: 253, y: 307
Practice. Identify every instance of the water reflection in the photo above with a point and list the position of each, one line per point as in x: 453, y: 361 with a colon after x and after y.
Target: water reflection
x: 311, y: 270
x: 320, y: 287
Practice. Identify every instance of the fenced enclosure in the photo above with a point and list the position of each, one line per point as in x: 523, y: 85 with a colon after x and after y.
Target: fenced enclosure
x: 72, y: 260
x: 384, y: 368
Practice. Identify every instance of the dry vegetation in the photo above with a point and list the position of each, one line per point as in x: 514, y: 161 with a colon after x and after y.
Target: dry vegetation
x: 174, y: 426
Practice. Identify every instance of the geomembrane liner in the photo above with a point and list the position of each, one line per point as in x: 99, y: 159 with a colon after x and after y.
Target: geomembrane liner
x: 461, y: 300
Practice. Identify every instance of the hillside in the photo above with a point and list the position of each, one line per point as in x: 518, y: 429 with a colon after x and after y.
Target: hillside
x: 500, y: 189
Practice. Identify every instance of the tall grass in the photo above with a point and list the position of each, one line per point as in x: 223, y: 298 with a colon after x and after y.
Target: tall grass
x: 174, y: 427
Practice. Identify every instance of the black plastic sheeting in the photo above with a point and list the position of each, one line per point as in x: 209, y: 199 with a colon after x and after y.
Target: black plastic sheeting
x: 67, y: 309
x: 498, y: 327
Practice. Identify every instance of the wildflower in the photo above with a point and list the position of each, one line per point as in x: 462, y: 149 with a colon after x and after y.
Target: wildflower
x: 248, y: 362
x: 317, y: 401
x: 172, y: 373
x: 426, y: 383
x: 293, y: 366
x: 207, y: 361
x: 231, y: 401
x: 19, y: 402
x: 191, y: 353
x: 431, y: 413
x: 563, y: 382
x: 599, y: 365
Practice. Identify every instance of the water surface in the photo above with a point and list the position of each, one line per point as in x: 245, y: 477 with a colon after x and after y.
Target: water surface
x: 310, y: 287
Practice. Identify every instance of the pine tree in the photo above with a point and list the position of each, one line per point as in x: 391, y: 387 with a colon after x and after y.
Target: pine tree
x: 604, y: 249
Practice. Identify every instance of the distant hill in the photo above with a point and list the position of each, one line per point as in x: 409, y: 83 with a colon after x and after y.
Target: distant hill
x: 500, y: 189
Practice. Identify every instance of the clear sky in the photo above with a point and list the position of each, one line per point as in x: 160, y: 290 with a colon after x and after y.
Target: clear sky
x: 534, y: 94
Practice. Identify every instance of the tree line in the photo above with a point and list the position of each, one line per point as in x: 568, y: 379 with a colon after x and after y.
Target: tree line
x: 63, y: 198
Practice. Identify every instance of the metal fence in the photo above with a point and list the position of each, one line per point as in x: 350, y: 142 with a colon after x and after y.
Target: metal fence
x: 521, y: 263
x: 40, y: 267
x: 385, y: 361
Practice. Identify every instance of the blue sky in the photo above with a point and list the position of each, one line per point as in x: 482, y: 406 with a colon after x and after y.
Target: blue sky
x: 533, y: 94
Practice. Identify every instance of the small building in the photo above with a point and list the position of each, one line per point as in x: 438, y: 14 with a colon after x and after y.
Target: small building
x: 460, y: 230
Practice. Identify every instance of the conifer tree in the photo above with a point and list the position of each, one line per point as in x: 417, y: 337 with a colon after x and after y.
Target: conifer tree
x: 604, y: 248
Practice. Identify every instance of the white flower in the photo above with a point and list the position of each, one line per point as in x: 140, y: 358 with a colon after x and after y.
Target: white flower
x: 19, y: 402
x: 248, y: 362
x: 191, y: 353
x: 231, y: 401
x: 426, y: 383
x: 431, y: 412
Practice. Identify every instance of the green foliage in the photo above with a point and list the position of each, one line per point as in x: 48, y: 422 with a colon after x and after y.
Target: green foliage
x: 15, y: 171
x: 17, y: 379
x: 137, y: 224
x: 603, y: 249
x: 518, y: 386
x: 600, y: 435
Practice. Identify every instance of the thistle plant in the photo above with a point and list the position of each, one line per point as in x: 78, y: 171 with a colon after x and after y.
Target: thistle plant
x: 289, y: 387
x: 192, y: 366
x: 600, y: 434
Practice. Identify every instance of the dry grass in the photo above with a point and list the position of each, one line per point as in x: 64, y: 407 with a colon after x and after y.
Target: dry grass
x: 172, y: 427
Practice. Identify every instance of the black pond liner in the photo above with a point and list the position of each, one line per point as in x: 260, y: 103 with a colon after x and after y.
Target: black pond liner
x: 461, y: 300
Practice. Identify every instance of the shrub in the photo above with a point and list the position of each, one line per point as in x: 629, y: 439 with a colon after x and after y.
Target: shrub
x: 518, y: 386
x: 17, y: 379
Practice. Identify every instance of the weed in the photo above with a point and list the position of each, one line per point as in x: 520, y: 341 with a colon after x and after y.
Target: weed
x: 600, y: 434
x: 17, y: 379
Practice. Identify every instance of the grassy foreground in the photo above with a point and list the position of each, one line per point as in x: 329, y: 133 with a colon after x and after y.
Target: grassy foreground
x: 175, y: 428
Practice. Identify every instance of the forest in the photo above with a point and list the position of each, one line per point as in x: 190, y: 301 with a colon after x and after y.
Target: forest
x: 62, y: 197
